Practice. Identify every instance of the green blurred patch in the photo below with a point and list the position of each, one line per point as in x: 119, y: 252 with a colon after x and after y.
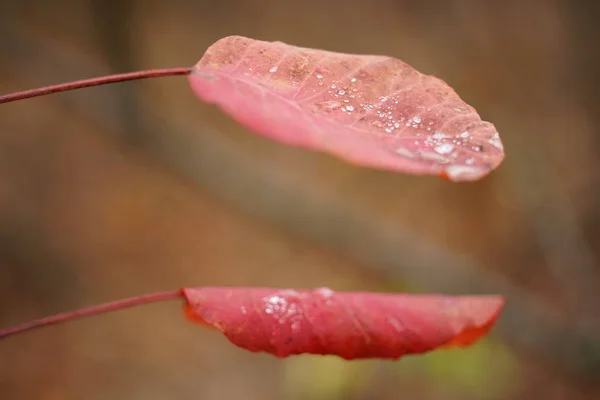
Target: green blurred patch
x: 485, y: 370
x: 325, y: 377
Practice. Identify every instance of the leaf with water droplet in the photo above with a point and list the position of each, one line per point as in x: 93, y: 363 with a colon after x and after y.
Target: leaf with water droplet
x: 390, y: 118
x: 352, y: 325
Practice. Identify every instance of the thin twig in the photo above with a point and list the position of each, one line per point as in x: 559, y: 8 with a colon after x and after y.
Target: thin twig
x: 63, y: 87
x: 90, y: 311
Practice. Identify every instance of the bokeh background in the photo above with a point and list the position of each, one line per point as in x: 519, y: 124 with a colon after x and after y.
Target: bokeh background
x: 120, y: 190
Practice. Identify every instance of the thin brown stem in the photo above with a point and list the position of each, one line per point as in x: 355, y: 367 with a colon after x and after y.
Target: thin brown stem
x: 103, y: 80
x: 94, y: 310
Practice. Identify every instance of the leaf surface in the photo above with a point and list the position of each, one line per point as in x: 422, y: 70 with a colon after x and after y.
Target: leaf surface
x: 352, y: 325
x: 372, y: 111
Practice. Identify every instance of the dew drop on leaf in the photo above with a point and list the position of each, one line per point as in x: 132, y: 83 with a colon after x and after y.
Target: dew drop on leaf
x: 445, y: 148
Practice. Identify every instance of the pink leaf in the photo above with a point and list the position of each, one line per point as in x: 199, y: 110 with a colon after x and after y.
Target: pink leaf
x: 352, y: 325
x: 372, y: 111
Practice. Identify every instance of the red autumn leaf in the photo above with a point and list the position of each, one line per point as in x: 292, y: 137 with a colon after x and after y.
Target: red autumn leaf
x: 352, y: 325
x: 373, y: 111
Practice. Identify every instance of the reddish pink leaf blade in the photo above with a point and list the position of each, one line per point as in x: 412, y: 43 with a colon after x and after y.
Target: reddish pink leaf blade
x: 372, y: 111
x: 352, y: 325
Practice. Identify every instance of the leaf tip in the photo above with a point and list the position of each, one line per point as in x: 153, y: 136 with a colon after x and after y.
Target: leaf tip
x: 484, y: 316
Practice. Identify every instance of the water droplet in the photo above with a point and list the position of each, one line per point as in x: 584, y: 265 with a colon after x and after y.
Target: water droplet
x: 325, y: 292
x: 342, y: 92
x: 417, y: 119
x: 462, y: 172
x: 319, y: 76
x: 329, y: 105
x: 273, y: 299
x: 495, y: 141
x: 389, y: 130
x: 404, y: 152
x: 439, y: 136
x: 469, y: 161
x: 464, y: 134
x: 275, y: 304
x: 433, y: 157
x: 274, y: 69
x: 350, y: 108
x: 445, y: 148
x: 353, y: 80
x: 296, y: 325
x: 333, y: 86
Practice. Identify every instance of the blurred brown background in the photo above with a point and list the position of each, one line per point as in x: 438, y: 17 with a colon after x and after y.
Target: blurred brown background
x: 120, y: 190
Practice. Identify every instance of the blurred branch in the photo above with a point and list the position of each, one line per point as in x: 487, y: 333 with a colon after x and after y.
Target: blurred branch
x: 112, y: 21
x: 558, y: 232
x: 585, y: 32
x: 584, y: 37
